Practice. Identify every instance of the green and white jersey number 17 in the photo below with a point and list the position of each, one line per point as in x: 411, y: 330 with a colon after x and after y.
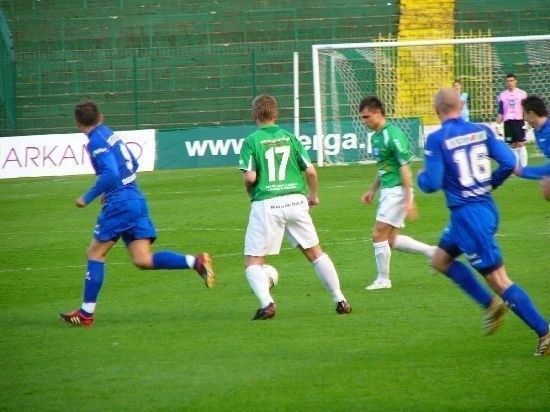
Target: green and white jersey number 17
x: 272, y: 172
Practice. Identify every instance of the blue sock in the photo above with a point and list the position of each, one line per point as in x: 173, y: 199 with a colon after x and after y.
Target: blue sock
x: 169, y: 260
x: 94, y: 280
x: 522, y: 305
x: 465, y: 279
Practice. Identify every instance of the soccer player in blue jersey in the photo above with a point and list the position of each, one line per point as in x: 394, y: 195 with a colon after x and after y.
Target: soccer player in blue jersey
x: 536, y: 114
x: 124, y: 214
x: 458, y: 161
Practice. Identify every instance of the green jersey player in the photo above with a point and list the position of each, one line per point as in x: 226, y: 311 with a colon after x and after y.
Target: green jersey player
x: 391, y: 150
x: 282, y: 159
x: 274, y: 163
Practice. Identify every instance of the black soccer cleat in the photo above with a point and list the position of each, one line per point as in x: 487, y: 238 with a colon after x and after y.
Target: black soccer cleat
x: 343, y: 307
x: 265, y: 313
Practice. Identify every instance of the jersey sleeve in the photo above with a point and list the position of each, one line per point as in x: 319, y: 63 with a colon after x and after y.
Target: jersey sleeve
x: 543, y: 142
x: 400, y: 145
x: 246, y: 157
x: 535, y: 172
x: 302, y: 157
x: 431, y: 178
x: 105, y: 166
x: 503, y: 155
x: 135, y: 162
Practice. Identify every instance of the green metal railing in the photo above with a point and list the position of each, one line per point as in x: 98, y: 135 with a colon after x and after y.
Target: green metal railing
x: 8, y: 117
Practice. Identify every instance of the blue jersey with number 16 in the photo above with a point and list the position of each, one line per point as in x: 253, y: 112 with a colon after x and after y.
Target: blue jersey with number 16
x: 458, y: 160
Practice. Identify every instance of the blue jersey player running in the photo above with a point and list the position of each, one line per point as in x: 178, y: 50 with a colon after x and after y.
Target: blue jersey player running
x: 124, y: 214
x: 458, y: 161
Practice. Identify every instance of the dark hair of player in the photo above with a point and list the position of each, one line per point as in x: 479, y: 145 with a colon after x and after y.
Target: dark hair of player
x: 534, y: 104
x: 372, y: 103
x: 87, y: 113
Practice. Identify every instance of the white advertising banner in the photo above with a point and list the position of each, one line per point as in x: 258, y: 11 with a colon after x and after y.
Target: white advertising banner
x: 65, y: 154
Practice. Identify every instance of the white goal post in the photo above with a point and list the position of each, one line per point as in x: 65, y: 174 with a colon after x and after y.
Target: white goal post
x: 406, y: 75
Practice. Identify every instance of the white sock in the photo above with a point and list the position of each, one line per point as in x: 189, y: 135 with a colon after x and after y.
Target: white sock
x: 515, y: 151
x: 382, y: 255
x: 191, y: 260
x: 327, y: 274
x: 259, y: 283
x: 88, y: 307
x: 522, y: 152
x: 410, y: 245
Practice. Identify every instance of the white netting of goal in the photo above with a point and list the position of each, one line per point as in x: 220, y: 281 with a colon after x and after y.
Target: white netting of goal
x: 406, y: 75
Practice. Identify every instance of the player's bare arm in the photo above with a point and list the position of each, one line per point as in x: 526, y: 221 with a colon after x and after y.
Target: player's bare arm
x: 406, y: 182
x: 249, y: 178
x: 313, y: 184
x: 368, y: 197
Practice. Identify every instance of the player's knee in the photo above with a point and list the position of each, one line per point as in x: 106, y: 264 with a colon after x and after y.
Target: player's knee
x: 143, y: 262
x: 378, y: 237
x: 92, y: 254
x: 498, y: 280
x: 441, y: 261
x: 441, y: 268
x: 313, y: 253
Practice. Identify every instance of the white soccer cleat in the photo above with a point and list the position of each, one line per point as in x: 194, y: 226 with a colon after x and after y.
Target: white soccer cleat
x: 379, y: 284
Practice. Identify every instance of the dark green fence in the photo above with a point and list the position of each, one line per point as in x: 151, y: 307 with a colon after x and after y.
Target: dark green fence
x: 173, y: 64
x: 8, y: 104
x: 183, y: 64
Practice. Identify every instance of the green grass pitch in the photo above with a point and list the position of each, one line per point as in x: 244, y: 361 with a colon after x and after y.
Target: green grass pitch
x: 162, y: 341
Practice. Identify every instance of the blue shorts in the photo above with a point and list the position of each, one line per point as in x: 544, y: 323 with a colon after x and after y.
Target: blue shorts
x: 128, y: 219
x: 472, y: 232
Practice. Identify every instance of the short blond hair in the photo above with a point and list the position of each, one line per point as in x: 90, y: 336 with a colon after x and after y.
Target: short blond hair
x: 264, y: 108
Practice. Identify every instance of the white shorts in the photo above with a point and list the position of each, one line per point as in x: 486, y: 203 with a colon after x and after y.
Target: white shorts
x: 270, y: 219
x: 391, y: 207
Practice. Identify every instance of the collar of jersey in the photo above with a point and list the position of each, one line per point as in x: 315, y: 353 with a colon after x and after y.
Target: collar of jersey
x: 265, y: 126
x: 383, y: 127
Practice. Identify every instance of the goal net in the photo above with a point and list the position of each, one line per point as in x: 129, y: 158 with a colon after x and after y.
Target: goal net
x: 405, y: 76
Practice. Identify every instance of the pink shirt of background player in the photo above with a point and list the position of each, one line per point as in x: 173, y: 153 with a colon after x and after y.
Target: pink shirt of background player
x: 511, y: 104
